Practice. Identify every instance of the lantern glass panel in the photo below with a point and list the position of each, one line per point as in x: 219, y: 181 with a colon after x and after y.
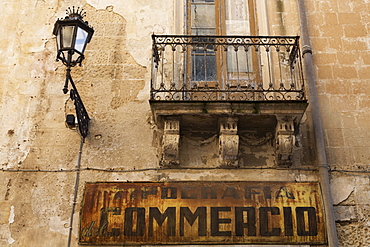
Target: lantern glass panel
x: 81, y: 40
x: 58, y: 40
x: 67, y: 36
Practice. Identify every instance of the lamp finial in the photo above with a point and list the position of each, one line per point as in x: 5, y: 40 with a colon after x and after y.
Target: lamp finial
x: 75, y: 13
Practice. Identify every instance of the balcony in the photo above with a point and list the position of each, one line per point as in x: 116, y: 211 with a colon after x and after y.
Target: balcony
x: 239, y: 68
x: 228, y: 85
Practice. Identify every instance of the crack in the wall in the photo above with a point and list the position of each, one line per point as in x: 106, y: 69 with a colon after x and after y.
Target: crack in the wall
x: 344, y: 189
x: 343, y: 201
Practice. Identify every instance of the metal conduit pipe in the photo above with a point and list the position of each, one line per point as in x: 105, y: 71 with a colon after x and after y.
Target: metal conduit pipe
x: 317, y: 128
x: 75, y: 190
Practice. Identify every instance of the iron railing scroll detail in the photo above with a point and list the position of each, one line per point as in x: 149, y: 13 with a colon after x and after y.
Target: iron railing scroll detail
x: 226, y: 68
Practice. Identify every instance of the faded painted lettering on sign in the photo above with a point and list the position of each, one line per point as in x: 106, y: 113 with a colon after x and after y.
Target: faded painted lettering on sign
x: 202, y: 212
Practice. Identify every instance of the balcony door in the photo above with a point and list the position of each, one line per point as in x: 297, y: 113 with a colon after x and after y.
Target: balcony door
x: 208, y: 65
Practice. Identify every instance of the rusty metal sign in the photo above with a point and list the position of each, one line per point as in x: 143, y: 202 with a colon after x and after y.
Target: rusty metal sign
x: 120, y: 213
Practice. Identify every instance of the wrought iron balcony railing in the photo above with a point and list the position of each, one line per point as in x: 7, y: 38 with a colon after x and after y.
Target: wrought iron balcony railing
x: 226, y: 68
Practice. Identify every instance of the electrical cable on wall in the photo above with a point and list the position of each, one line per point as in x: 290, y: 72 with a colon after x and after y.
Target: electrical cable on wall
x: 179, y: 168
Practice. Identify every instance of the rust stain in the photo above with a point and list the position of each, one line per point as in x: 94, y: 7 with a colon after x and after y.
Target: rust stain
x: 202, y: 212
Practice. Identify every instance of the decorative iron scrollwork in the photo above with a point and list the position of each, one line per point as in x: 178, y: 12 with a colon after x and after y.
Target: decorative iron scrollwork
x: 82, y: 116
x: 278, y: 79
x: 81, y: 113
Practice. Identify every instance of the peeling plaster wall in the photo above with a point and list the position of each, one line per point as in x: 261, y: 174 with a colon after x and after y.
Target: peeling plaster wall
x: 114, y: 83
x: 143, y: 19
x: 35, y: 207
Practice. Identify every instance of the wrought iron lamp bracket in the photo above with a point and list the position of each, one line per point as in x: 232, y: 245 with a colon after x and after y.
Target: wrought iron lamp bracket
x: 68, y: 61
x: 81, y: 113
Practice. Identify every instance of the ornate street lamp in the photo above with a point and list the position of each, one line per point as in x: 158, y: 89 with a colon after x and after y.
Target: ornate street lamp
x: 72, y: 35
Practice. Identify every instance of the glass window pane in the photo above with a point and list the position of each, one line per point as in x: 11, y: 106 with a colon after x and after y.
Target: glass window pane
x: 198, y: 68
x: 80, y: 39
x: 208, y: 49
x: 67, y: 36
x: 58, y: 39
x: 206, y: 45
x: 204, y: 68
x: 203, y: 16
x: 237, y: 20
x: 203, y: 31
x: 211, y: 68
x: 238, y: 61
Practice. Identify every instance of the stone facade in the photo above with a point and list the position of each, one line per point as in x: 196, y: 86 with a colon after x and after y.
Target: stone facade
x: 39, y: 154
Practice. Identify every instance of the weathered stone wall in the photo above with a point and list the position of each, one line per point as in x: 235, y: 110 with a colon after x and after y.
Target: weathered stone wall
x: 339, y: 33
x: 40, y: 153
x: 36, y: 206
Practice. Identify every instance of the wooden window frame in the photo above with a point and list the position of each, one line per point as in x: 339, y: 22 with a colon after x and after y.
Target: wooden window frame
x: 220, y: 54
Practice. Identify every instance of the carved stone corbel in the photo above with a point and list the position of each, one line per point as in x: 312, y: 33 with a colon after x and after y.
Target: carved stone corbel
x: 229, y: 142
x: 285, y: 139
x: 171, y: 138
